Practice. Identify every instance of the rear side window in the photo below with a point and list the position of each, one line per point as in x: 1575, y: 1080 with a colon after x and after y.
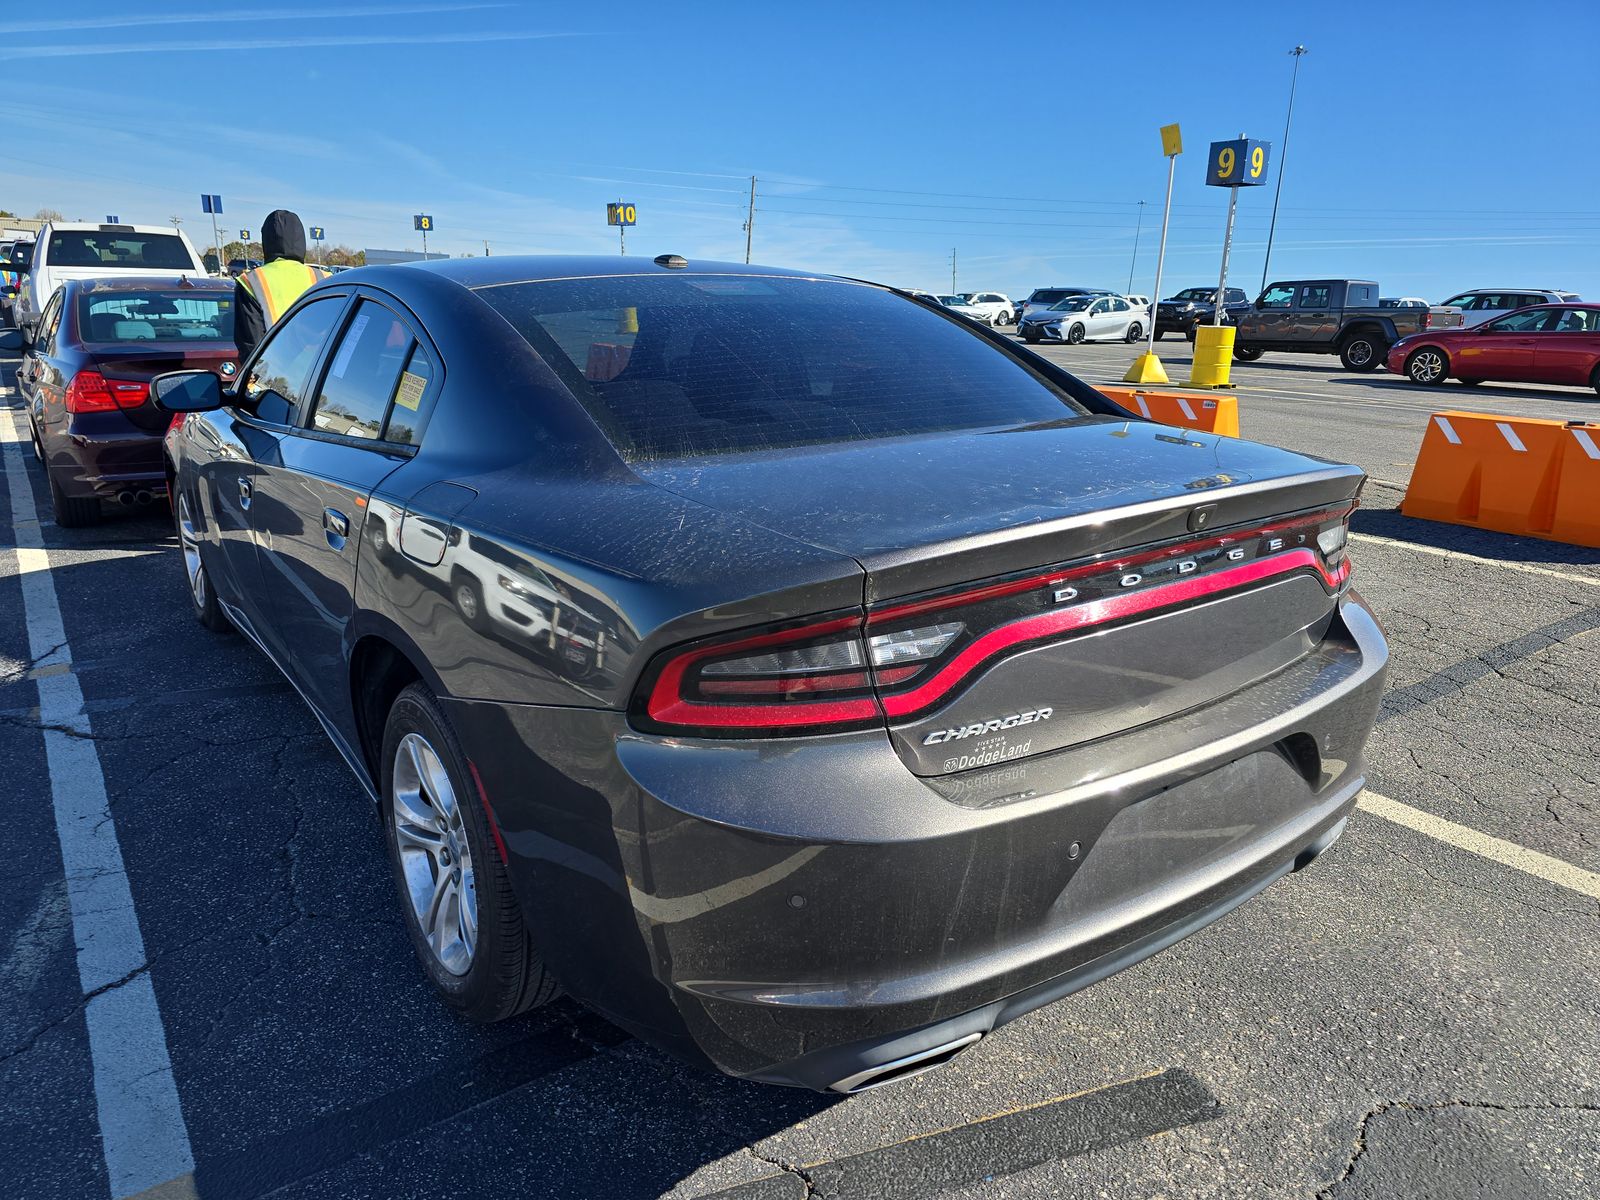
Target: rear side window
x: 363, y: 373
x: 103, y: 248
x: 1314, y: 297
x: 1525, y: 300
x: 1577, y: 320
x: 687, y: 365
x: 158, y: 315
x: 1360, y: 295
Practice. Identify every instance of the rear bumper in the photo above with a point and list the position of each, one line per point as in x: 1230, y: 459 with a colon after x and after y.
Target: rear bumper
x: 103, y: 455
x: 806, y: 913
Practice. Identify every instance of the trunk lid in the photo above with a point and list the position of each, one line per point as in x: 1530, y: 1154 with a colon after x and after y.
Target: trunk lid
x: 142, y: 361
x: 1060, y: 583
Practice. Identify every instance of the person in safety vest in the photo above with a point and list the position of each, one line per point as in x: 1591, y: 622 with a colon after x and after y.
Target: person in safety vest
x: 265, y: 294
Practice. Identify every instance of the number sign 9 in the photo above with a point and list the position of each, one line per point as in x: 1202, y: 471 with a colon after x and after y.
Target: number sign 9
x: 1241, y: 163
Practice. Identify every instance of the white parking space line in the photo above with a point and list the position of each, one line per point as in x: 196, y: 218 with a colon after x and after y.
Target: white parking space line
x: 1439, y: 552
x: 1509, y: 854
x: 143, y: 1135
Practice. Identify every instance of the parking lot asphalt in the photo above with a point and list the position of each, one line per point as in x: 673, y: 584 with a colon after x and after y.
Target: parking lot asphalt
x: 1406, y: 1017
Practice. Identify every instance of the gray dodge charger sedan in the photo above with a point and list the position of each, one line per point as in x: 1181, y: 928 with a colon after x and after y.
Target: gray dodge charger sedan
x: 806, y: 679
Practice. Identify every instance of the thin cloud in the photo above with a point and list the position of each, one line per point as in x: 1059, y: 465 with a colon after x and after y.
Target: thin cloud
x: 295, y: 43
x: 259, y: 14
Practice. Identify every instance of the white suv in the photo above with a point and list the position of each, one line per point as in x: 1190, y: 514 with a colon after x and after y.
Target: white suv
x: 1485, y: 304
x: 989, y: 306
x: 74, y: 250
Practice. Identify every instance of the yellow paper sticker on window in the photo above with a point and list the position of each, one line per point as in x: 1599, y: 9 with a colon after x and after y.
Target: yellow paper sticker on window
x: 409, y: 394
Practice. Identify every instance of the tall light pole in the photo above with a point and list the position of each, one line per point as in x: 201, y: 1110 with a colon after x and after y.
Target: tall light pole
x: 952, y: 270
x: 750, y: 221
x: 1135, y: 262
x: 1298, y: 52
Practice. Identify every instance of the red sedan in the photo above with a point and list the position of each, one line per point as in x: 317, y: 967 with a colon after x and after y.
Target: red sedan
x: 1548, y: 343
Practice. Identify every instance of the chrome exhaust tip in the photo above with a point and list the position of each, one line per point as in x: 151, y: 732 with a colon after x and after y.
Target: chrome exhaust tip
x: 903, y: 1068
x: 142, y: 496
x: 126, y: 499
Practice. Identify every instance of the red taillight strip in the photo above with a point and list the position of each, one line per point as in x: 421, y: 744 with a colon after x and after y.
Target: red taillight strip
x: 997, y: 590
x: 668, y: 705
x: 1098, y: 612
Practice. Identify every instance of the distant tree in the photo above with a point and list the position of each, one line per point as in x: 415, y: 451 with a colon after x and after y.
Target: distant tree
x: 6, y: 212
x: 48, y: 214
x: 344, y: 256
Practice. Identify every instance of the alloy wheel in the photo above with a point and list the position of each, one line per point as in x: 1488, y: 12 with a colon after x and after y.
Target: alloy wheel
x: 435, y: 855
x: 191, y: 553
x: 1427, y: 366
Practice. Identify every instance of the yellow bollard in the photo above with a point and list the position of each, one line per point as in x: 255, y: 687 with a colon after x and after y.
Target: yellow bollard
x: 1146, y: 368
x: 1213, y: 356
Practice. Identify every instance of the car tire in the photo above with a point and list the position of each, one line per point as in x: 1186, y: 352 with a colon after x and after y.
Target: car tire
x: 1075, y: 335
x: 72, y: 512
x: 1135, y: 333
x: 1031, y: 336
x: 202, y: 596
x: 33, y: 438
x: 1428, y: 366
x: 1363, y: 352
x: 1248, y: 353
x: 1594, y: 380
x: 1159, y: 335
x: 465, y: 923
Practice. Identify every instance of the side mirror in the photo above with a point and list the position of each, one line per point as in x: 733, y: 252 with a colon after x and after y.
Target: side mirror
x: 187, y: 391
x: 1260, y: 304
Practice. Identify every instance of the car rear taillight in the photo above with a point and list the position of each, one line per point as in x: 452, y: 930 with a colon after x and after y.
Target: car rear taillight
x: 912, y: 656
x: 90, y: 391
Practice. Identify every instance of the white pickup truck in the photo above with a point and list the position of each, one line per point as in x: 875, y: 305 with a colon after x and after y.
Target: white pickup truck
x: 73, y: 250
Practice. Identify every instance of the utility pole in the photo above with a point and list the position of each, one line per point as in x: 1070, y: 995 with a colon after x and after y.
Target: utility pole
x: 750, y: 221
x: 1136, y: 230
x: 1298, y: 52
x: 486, y: 247
x: 622, y: 231
x: 952, y: 270
x: 176, y: 221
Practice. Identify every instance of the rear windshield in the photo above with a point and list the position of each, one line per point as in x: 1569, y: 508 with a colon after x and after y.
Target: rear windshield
x: 101, y: 248
x: 158, y: 315
x: 1197, y: 294
x: 689, y: 365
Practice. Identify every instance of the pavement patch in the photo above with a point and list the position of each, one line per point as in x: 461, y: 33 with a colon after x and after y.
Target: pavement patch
x: 1003, y: 1144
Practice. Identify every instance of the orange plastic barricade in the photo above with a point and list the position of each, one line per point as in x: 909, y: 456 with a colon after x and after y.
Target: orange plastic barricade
x: 1508, y: 474
x: 1206, y: 414
x: 1577, y: 515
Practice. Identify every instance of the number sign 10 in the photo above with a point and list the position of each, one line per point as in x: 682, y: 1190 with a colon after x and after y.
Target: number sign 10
x: 1240, y: 163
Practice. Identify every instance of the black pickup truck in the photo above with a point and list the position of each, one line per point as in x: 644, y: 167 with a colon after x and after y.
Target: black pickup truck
x: 1331, y: 316
x: 1193, y: 306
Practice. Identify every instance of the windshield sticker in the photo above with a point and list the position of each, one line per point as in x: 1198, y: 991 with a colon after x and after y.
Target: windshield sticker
x: 341, y: 361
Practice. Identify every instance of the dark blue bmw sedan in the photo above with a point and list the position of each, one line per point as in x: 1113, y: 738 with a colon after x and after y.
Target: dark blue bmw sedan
x: 806, y: 679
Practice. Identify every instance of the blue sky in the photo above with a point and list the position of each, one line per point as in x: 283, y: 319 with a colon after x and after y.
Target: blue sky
x: 1434, y: 147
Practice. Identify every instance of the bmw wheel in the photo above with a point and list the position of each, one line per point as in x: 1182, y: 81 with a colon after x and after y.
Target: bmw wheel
x: 1427, y: 366
x: 1075, y: 335
x: 207, y: 610
x: 465, y: 924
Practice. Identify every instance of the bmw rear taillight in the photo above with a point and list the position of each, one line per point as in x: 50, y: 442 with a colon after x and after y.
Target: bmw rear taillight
x: 89, y: 391
x: 912, y: 656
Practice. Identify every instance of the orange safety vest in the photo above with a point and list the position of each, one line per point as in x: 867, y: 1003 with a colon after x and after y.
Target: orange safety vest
x: 279, y: 284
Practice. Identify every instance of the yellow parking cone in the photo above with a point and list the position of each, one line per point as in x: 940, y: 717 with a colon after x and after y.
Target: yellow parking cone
x: 1146, y: 368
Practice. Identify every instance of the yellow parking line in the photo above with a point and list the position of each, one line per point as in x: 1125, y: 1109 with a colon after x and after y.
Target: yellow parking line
x: 1508, y: 854
x: 1438, y: 552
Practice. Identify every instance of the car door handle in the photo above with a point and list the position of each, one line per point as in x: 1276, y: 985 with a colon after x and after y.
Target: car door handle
x: 244, y: 492
x: 335, y: 522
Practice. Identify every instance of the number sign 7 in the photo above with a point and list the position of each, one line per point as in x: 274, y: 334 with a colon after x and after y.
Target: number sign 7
x: 1240, y: 163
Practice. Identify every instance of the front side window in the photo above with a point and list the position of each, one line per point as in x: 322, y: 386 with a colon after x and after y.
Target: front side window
x: 276, y: 383
x: 1314, y: 297
x: 363, y: 373
x: 688, y: 365
x: 104, y: 248
x: 1532, y: 321
x: 1279, y: 295
x: 159, y: 315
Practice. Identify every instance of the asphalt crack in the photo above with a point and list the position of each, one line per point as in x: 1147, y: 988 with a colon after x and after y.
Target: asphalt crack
x: 787, y: 1168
